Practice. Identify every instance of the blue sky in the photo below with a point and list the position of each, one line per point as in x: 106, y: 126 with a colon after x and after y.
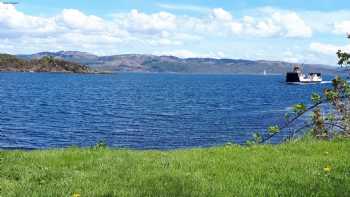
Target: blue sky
x: 296, y: 31
x: 99, y: 7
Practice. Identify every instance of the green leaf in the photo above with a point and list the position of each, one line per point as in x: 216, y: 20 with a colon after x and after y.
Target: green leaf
x: 257, y: 137
x: 299, y: 108
x: 331, y: 95
x: 315, y: 98
x: 330, y: 117
x: 273, y: 129
x: 346, y: 88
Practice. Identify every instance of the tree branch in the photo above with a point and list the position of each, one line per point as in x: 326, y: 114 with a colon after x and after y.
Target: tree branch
x: 288, y: 123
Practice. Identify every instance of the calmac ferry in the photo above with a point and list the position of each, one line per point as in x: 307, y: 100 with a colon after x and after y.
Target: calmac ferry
x: 297, y: 76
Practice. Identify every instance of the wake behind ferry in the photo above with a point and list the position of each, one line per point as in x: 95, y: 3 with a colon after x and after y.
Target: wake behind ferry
x: 297, y: 76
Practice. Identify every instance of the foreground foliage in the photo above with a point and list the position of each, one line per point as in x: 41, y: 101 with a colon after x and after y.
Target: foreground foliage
x: 303, y: 168
x: 330, y: 112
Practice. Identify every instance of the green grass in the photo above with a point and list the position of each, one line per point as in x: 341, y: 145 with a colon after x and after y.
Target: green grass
x: 291, y: 169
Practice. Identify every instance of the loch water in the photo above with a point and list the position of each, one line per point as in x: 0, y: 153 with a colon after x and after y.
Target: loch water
x: 142, y: 111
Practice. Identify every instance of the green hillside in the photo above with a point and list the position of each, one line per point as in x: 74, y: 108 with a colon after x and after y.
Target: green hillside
x: 10, y: 63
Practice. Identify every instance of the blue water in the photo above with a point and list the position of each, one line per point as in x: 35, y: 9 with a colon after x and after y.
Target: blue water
x: 141, y: 111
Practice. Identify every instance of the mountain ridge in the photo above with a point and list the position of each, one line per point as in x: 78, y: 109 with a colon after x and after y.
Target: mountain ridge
x: 173, y: 64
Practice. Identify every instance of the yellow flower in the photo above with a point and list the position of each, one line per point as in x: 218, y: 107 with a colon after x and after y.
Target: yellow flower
x: 327, y: 169
x: 76, y: 195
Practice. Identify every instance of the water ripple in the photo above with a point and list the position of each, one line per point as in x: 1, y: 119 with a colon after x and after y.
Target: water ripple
x: 142, y: 111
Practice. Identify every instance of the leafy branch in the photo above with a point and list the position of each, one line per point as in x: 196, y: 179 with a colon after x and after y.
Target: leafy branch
x: 330, y: 111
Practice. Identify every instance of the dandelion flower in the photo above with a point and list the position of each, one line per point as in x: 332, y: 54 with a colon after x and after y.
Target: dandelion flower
x: 76, y: 195
x: 327, y: 169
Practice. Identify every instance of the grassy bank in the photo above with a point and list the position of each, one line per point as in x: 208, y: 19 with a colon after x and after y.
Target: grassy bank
x: 304, y: 168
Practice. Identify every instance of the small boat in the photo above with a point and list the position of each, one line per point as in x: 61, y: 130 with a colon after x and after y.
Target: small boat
x: 265, y: 73
x: 297, y: 76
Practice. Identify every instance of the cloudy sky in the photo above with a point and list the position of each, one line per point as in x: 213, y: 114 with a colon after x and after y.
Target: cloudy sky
x: 289, y: 30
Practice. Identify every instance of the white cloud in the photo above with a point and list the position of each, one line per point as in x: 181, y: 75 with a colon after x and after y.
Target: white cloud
x: 269, y: 22
x: 324, y: 22
x: 264, y: 23
x: 179, y: 53
x: 211, y: 34
x: 15, y: 22
x: 222, y: 21
x: 161, y: 28
x: 138, y: 22
x: 260, y: 28
x: 75, y: 19
x: 290, y: 56
x: 326, y: 53
x: 293, y: 24
x: 221, y: 15
x: 328, y: 49
x: 342, y: 27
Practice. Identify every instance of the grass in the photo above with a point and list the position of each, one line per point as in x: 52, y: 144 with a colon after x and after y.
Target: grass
x: 291, y: 169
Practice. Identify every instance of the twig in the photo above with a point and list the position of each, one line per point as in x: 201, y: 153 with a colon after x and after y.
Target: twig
x: 292, y: 121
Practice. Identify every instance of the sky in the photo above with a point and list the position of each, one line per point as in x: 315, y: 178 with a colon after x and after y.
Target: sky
x: 295, y: 30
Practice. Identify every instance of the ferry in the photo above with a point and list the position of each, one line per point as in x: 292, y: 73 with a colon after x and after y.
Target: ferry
x: 297, y: 76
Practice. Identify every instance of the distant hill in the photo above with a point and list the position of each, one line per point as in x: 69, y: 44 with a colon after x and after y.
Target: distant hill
x: 171, y: 64
x: 10, y: 63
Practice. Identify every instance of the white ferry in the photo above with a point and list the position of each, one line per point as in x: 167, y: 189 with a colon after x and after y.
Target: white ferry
x: 297, y: 76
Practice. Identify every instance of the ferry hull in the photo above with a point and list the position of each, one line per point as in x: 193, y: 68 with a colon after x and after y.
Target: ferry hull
x: 293, y: 77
